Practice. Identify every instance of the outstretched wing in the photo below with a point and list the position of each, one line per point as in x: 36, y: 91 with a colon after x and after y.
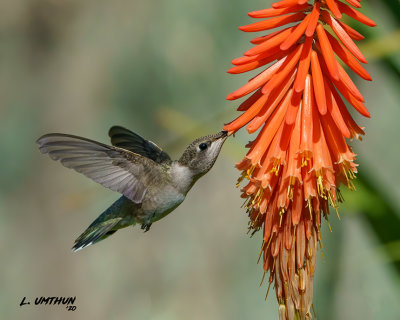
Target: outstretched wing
x: 126, y: 139
x: 114, y: 168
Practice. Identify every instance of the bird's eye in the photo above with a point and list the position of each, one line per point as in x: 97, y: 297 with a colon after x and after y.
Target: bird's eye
x: 203, y: 146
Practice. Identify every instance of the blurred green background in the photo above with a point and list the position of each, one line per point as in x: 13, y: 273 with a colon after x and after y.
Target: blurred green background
x: 158, y: 67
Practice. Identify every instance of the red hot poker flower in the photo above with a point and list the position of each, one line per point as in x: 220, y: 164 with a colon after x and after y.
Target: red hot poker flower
x: 300, y: 157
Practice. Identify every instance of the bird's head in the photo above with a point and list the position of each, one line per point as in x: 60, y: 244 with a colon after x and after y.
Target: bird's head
x: 201, y: 154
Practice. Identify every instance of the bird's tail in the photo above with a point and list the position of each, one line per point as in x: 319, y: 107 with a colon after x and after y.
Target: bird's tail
x: 104, y: 226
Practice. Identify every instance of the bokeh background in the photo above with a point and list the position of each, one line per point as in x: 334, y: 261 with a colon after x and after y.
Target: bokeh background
x: 158, y: 67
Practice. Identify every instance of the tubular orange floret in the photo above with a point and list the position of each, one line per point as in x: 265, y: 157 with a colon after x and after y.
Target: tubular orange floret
x: 300, y: 157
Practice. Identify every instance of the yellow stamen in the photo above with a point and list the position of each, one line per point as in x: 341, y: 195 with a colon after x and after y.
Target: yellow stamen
x: 281, y: 212
x: 262, y: 280
x: 250, y: 171
x: 269, y: 286
x: 243, y: 175
x: 309, y: 205
x: 261, y: 251
x: 276, y: 166
x: 320, y: 186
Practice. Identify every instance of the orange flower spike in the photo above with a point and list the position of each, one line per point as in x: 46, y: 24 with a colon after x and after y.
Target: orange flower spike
x: 327, y: 52
x: 318, y: 84
x: 300, y: 156
x: 304, y: 65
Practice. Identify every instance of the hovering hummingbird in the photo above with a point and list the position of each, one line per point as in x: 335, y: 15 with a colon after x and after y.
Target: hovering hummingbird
x: 151, y: 183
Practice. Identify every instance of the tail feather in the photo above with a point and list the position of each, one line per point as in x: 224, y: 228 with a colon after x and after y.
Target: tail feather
x: 95, y: 233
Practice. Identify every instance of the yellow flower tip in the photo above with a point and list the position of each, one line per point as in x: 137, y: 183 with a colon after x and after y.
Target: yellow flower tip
x: 320, y: 186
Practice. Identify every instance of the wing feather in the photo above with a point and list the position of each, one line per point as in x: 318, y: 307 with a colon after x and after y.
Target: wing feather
x: 117, y: 169
x: 126, y: 139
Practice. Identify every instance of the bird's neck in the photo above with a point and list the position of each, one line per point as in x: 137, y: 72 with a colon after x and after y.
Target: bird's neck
x: 182, y: 177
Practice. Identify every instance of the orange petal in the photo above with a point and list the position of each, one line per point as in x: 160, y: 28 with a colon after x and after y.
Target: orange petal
x: 293, y: 108
x: 314, y: 16
x: 349, y: 84
x: 354, y: 34
x: 333, y: 109
x: 300, y: 243
x: 255, y: 64
x: 309, y: 184
x: 354, y: 3
x: 318, y: 84
x: 335, y: 141
x: 283, y: 71
x: 332, y: 5
x: 304, y: 65
x: 258, y: 40
x: 297, y: 205
x: 344, y: 8
x: 327, y: 52
x: 249, y: 101
x: 273, y: 100
x: 285, y: 3
x: 344, y: 90
x: 348, y: 58
x: 355, y: 130
x: 343, y: 36
x: 296, y: 34
x: 288, y: 240
x: 247, y: 115
x: 306, y: 117
x: 267, y: 133
x: 257, y: 81
x: 272, y: 12
x: 273, y: 22
x: 294, y: 158
x: 271, y: 43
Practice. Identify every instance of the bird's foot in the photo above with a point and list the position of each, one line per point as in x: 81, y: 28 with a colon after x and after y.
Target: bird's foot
x: 146, y: 226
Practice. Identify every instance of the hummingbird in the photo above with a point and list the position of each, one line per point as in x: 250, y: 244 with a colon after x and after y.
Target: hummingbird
x: 152, y: 185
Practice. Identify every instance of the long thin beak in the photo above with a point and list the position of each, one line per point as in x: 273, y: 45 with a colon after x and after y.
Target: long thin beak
x: 222, y: 135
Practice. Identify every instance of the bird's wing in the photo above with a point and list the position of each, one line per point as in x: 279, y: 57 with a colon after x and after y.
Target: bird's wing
x: 115, y: 168
x: 126, y: 139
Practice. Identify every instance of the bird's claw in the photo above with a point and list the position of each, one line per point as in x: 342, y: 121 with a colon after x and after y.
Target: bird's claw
x: 146, y: 226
